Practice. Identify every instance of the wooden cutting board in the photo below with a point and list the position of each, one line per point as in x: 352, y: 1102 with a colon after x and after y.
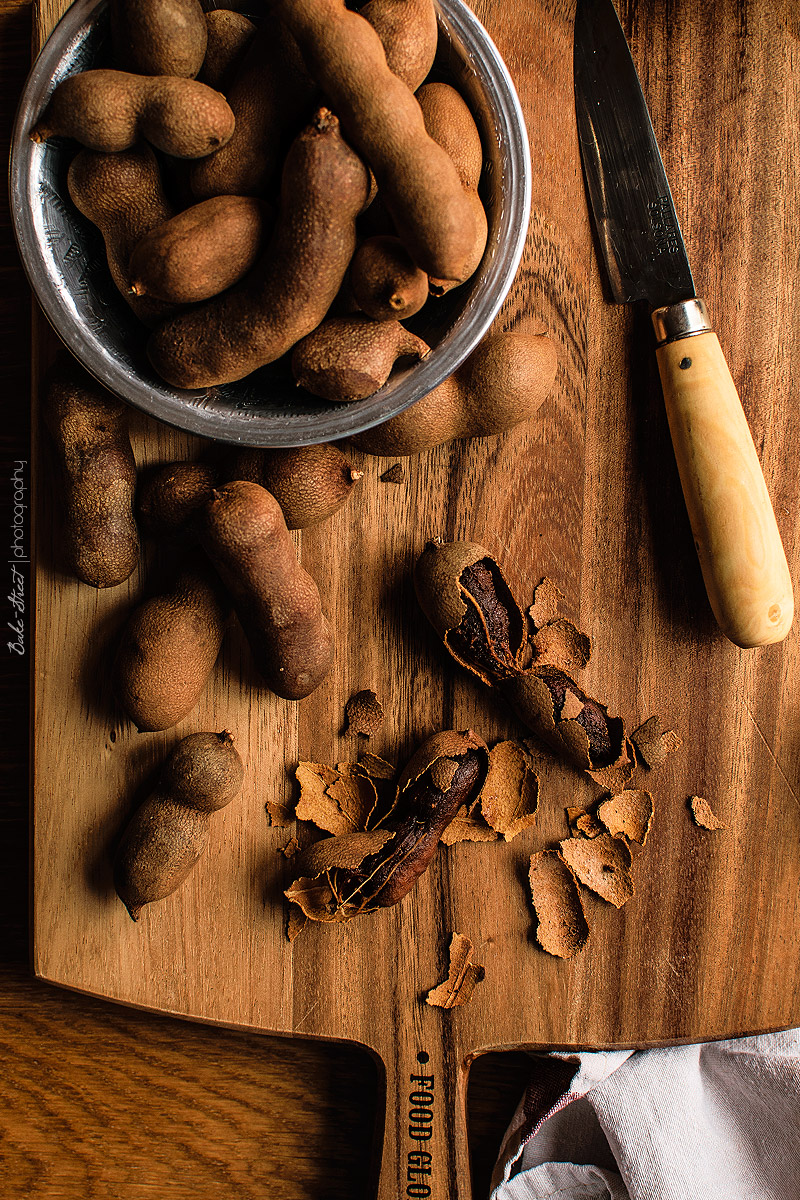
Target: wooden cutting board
x: 586, y: 494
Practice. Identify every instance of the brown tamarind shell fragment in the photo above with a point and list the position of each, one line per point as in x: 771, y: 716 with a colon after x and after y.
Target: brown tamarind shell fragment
x: 462, y: 977
x: 602, y: 864
x: 629, y: 814
x: 561, y: 929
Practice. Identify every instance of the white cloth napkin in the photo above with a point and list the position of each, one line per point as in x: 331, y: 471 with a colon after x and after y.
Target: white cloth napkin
x: 714, y: 1121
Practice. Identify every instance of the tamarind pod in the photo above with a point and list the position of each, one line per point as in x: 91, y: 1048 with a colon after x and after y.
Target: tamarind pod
x: 89, y: 431
x: 168, y: 649
x: 382, y: 119
x: 169, y: 497
x: 290, y: 289
x: 242, y: 530
x: 450, y: 123
x: 123, y: 196
x: 349, y: 358
x: 169, y: 831
x: 409, y: 34
x: 111, y: 110
x: 201, y: 251
x: 228, y: 35
x: 385, y: 282
x: 503, y: 382
x: 272, y: 98
x: 159, y: 848
x: 158, y: 37
x: 440, y: 287
x: 310, y: 483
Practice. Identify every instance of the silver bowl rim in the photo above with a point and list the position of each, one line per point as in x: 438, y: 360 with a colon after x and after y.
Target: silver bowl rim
x: 184, y: 409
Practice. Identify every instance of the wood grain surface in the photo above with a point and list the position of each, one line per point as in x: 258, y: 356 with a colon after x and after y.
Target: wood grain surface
x: 587, y: 494
x: 88, y: 1110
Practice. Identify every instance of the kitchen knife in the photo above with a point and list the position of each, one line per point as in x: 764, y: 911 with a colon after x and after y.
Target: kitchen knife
x: 735, y: 532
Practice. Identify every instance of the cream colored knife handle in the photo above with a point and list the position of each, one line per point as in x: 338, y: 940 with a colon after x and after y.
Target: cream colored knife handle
x: 735, y: 532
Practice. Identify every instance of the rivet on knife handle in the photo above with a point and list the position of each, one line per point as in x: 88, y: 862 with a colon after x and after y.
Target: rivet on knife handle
x: 738, y: 543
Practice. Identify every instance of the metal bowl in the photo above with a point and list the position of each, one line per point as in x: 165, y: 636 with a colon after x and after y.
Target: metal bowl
x: 64, y: 256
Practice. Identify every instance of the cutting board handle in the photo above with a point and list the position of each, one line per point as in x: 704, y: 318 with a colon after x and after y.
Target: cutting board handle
x: 730, y: 511
x: 424, y: 1153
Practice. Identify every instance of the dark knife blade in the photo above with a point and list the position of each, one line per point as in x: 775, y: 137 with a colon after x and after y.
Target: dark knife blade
x: 630, y: 196
x: 738, y: 543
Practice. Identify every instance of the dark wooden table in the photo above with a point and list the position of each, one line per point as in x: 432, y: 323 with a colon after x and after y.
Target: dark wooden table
x: 101, y: 1101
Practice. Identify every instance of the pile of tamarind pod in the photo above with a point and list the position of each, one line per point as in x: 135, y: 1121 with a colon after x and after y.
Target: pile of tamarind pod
x: 246, y: 562
x: 237, y: 515
x: 462, y: 591
x: 250, y: 183
x: 231, y: 550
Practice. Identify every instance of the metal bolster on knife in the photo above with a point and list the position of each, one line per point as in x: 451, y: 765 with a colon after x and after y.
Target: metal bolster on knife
x: 684, y: 319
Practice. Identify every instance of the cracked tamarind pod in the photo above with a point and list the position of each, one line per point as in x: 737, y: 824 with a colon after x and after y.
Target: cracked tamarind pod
x: 340, y: 877
x: 446, y: 773
x: 463, y: 593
